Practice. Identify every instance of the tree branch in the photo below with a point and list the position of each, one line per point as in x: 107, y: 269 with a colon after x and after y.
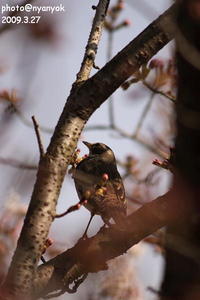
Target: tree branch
x: 144, y: 114
x: 156, y: 91
x: 17, y: 164
x: 93, y: 41
x: 91, y: 255
x: 39, y: 139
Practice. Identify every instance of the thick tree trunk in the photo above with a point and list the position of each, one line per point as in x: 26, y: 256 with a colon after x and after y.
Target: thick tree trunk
x: 182, y: 272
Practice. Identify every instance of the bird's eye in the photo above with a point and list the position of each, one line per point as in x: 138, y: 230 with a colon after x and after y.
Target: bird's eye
x: 97, y: 149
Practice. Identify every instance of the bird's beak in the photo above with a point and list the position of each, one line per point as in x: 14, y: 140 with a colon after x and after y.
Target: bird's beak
x: 89, y: 145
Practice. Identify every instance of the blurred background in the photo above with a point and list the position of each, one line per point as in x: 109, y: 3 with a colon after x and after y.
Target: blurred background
x: 38, y: 64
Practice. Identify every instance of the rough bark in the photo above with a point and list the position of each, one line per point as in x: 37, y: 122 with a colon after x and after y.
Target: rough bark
x: 182, y: 272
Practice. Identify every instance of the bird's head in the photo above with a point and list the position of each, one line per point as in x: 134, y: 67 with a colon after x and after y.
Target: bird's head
x: 101, y: 150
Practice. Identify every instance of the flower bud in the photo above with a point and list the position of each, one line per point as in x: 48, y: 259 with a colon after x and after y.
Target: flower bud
x: 105, y: 177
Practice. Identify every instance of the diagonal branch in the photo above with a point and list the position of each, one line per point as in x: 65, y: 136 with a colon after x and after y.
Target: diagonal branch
x: 156, y: 91
x: 93, y: 41
x: 39, y: 139
x: 144, y: 115
x: 91, y: 255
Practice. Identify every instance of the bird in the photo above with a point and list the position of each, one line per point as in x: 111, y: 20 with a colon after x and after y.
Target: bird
x: 99, y: 185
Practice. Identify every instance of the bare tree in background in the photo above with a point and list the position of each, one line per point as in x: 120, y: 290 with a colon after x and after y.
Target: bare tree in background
x: 177, y: 210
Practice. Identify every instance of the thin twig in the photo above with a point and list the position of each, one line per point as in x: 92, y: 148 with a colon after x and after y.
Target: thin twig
x: 144, y: 114
x: 140, y: 142
x: 165, y: 164
x: 39, y: 140
x: 143, y: 143
x: 71, y: 209
x: 16, y: 164
x: 97, y: 127
x: 93, y: 41
x: 129, y: 136
x: 110, y: 100
x: 147, y: 180
x: 151, y: 88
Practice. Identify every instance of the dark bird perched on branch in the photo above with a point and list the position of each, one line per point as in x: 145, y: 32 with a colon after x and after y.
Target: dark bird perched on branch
x: 98, y: 181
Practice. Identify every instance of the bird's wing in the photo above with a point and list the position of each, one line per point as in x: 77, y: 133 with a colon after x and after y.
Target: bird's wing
x: 88, y: 176
x: 85, y: 178
x: 110, y: 205
x: 119, y: 191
